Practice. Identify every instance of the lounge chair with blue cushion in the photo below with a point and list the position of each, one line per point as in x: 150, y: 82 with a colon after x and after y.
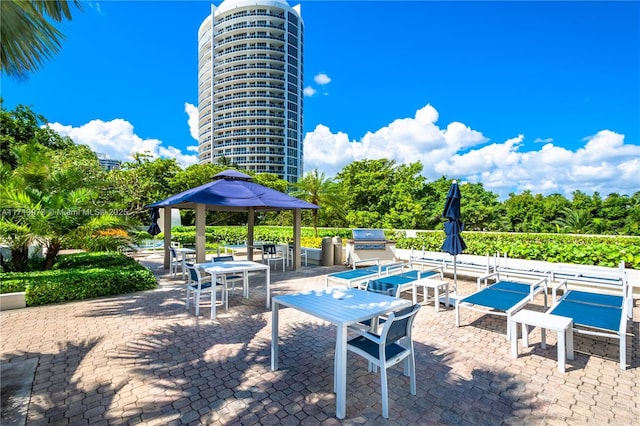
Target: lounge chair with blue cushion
x: 407, y: 279
x: 357, y: 277
x: 596, y: 314
x: 503, y: 298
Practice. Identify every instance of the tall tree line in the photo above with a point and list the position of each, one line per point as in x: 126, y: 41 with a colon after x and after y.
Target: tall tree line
x: 369, y: 193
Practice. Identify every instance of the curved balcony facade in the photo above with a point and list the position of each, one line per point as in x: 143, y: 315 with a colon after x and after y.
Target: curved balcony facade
x: 250, y: 82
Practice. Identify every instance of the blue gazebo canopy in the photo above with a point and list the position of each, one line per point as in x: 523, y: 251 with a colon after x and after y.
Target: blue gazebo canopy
x: 232, y: 190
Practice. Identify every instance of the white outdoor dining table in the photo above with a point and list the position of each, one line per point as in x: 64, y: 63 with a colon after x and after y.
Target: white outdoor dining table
x: 183, y: 251
x: 342, y: 307
x: 235, y: 267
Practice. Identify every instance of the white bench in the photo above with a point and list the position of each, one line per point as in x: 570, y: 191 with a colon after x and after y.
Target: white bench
x: 530, y: 319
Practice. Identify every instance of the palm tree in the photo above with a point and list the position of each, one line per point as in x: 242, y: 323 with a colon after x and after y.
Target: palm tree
x: 319, y: 190
x: 46, y: 206
x: 29, y: 38
x: 574, y: 221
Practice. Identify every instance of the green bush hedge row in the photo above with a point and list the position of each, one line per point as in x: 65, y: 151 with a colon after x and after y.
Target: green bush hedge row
x: 186, y: 235
x: 563, y: 248
x: 577, y: 249
x: 80, y: 276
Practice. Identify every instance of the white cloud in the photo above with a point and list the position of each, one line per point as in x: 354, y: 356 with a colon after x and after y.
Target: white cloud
x: 541, y: 140
x: 116, y: 138
x: 605, y: 164
x: 322, y: 79
x: 309, y: 91
x: 192, y: 112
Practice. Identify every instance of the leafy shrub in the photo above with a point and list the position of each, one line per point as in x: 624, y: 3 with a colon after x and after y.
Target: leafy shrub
x: 108, y: 240
x: 577, y: 249
x: 93, y: 260
x: 81, y: 276
x: 582, y: 250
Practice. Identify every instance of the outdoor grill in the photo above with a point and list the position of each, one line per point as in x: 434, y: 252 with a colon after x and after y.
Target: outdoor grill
x: 370, y: 244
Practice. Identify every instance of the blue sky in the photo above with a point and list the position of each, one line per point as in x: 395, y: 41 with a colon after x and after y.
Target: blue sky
x: 540, y: 96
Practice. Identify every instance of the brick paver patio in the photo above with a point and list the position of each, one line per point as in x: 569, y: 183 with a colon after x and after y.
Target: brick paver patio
x: 143, y: 359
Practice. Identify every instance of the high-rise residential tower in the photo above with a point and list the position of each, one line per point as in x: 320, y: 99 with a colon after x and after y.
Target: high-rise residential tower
x: 250, y: 99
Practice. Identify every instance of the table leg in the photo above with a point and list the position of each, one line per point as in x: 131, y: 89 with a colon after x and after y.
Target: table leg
x: 414, y: 289
x: 274, y: 336
x: 543, y: 335
x: 341, y: 369
x: 436, y: 302
x: 184, y: 260
x: 268, y: 287
x: 562, y: 351
x: 514, y: 339
x: 446, y: 295
x: 525, y: 336
x: 569, y: 339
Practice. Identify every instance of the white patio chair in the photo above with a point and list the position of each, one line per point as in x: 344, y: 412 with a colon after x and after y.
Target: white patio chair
x: 303, y: 255
x: 196, y: 286
x: 232, y: 278
x: 174, y: 260
x: 386, y: 350
x: 270, y: 255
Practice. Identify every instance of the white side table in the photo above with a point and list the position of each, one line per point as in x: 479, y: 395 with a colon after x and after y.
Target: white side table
x: 531, y: 319
x: 436, y: 285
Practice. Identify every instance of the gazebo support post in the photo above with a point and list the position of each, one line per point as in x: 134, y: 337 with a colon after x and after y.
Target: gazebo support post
x: 201, y: 216
x: 166, y: 229
x: 251, y: 214
x: 297, y: 225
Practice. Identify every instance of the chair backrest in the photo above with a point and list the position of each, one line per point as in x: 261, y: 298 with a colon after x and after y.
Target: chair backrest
x: 269, y: 248
x: 173, y: 251
x: 222, y: 258
x: 379, y: 286
x: 194, y: 276
x: 398, y: 324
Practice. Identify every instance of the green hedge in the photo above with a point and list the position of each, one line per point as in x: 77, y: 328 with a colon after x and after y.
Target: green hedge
x: 186, y: 235
x: 577, y: 249
x: 80, y: 276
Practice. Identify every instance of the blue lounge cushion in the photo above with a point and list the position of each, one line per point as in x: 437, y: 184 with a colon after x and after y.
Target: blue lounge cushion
x: 594, y: 298
x: 495, y: 298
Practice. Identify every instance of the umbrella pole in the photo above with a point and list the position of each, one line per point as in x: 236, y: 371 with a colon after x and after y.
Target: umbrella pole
x: 455, y: 276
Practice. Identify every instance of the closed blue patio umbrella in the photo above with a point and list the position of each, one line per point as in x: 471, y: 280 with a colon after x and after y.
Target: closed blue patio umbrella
x: 453, y: 243
x: 154, y: 229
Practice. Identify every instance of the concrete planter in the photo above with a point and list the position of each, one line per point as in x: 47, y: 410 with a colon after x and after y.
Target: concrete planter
x: 12, y: 301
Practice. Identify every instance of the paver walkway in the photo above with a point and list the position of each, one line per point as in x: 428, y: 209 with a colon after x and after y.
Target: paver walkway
x: 143, y: 359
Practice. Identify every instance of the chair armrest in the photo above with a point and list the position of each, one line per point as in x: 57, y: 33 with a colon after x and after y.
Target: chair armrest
x: 542, y: 284
x: 366, y: 334
x: 554, y: 289
x: 486, y: 278
x: 373, y: 259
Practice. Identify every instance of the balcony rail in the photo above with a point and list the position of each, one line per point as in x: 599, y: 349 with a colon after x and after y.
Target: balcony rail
x: 249, y: 86
x: 244, y: 14
x: 244, y: 105
x: 219, y: 64
x: 249, y: 36
x: 228, y: 50
x: 248, y: 67
x: 250, y: 77
x: 243, y: 25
